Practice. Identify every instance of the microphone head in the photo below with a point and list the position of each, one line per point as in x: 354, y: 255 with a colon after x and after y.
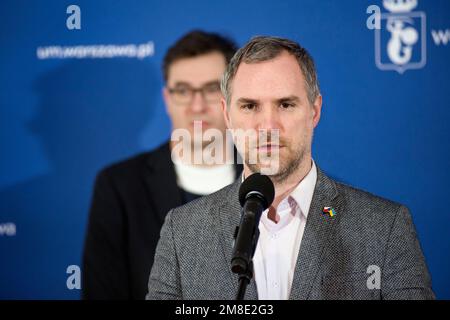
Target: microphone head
x: 257, y: 185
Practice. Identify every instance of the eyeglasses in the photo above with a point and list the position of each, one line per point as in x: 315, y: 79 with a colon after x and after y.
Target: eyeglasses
x: 184, y: 94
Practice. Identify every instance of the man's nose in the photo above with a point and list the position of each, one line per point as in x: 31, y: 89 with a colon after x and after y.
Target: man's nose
x: 269, y: 118
x: 198, y: 104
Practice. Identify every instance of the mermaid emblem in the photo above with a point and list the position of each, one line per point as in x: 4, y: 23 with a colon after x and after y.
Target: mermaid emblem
x: 403, y: 37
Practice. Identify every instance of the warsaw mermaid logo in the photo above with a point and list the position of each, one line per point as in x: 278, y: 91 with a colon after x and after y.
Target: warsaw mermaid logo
x: 400, y: 43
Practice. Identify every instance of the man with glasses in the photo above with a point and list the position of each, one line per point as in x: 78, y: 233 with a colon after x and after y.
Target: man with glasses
x: 132, y: 198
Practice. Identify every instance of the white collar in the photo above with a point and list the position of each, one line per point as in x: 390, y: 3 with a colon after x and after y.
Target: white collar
x: 303, y: 192
x: 203, y: 180
x: 297, y: 202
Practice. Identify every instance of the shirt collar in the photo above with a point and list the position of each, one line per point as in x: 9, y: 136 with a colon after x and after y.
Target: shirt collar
x: 303, y: 193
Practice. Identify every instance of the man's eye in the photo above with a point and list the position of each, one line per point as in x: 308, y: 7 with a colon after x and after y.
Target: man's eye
x: 249, y: 106
x: 182, y: 91
x: 287, y: 105
x: 213, y: 88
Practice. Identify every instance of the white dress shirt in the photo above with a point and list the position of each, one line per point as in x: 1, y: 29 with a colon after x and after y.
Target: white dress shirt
x: 279, y: 243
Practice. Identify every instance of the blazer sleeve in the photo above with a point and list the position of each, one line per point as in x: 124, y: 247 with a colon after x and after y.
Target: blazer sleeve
x: 405, y: 274
x: 104, y: 273
x: 164, y: 281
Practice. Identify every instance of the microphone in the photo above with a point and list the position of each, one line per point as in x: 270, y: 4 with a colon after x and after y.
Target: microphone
x: 255, y: 195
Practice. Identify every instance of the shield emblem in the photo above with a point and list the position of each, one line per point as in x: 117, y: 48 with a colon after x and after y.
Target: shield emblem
x: 400, y: 43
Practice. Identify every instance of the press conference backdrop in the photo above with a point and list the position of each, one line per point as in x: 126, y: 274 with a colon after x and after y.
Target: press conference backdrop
x: 70, y: 106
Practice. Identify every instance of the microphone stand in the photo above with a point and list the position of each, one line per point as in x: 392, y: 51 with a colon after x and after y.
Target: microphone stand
x: 244, y: 280
x: 255, y: 195
x: 245, y: 271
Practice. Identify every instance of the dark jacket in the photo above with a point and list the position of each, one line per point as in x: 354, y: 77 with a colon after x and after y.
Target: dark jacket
x: 129, y: 205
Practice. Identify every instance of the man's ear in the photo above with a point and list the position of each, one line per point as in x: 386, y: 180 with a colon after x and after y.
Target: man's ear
x: 317, y: 110
x: 225, y: 113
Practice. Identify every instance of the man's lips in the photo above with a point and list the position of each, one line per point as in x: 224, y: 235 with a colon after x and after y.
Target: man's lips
x: 202, y: 123
x: 269, y: 147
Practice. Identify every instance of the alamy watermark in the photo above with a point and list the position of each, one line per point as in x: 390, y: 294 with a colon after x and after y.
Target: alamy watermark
x: 260, y: 148
x: 74, y: 279
x: 374, y: 280
x: 73, y: 21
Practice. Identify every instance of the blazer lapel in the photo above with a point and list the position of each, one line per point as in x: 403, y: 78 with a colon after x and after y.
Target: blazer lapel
x: 318, y: 227
x: 229, y: 215
x: 161, y: 182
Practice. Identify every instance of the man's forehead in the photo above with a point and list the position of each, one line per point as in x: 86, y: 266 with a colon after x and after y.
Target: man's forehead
x: 273, y: 98
x: 284, y: 62
x: 280, y: 75
x: 198, y: 70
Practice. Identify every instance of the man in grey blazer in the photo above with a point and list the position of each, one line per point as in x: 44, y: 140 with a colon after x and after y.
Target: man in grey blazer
x: 320, y: 239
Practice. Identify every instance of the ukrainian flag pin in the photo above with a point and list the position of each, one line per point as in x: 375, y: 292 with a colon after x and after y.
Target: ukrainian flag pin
x: 329, y: 211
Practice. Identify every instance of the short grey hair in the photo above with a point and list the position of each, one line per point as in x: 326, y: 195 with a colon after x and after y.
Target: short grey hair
x: 264, y: 48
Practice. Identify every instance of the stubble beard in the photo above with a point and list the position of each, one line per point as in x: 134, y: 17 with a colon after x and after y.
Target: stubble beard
x: 288, y: 166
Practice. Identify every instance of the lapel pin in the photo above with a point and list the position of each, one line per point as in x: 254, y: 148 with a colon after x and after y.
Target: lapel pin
x: 329, y: 211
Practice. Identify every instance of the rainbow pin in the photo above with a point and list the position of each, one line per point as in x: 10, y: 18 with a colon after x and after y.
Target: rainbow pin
x: 329, y: 211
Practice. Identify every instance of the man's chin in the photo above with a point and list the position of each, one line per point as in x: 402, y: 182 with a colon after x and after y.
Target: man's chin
x: 271, y: 169
x: 199, y: 146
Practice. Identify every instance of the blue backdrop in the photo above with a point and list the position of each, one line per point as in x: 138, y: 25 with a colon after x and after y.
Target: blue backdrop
x: 384, y: 126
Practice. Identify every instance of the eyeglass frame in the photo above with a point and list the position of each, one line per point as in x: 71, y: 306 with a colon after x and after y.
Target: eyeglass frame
x: 193, y: 91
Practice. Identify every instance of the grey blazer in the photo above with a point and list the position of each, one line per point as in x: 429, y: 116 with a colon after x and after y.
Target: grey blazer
x: 336, y: 259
